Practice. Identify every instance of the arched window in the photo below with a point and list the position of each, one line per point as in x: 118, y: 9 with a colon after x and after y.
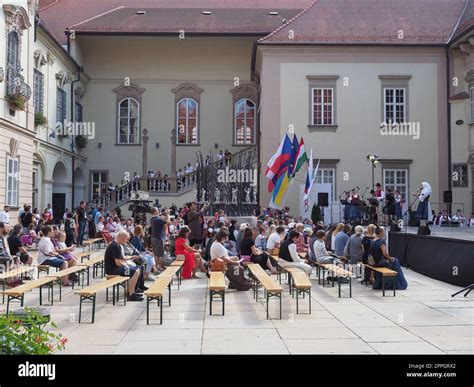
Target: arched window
x: 129, y: 121
x: 187, y: 121
x: 13, y: 54
x: 244, y: 122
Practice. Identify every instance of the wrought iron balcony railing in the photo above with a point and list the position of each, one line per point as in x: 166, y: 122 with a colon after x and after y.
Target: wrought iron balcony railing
x: 16, y: 84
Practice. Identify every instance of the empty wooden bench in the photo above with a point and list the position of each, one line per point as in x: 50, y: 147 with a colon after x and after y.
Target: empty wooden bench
x: 18, y: 293
x: 90, y: 293
x: 91, y: 243
x: 155, y: 292
x: 338, y: 272
x: 96, y: 263
x: 385, y: 273
x: 80, y: 270
x: 82, y: 256
x: 45, y: 269
x: 301, y: 285
x: 272, y: 289
x: 5, y: 276
x: 180, y: 271
x: 217, y: 288
x: 171, y: 271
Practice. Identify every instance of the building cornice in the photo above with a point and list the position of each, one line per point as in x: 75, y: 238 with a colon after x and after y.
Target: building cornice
x: 14, y: 127
x: 39, y: 142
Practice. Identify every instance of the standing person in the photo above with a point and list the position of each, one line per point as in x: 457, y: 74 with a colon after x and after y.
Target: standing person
x: 379, y: 252
x: 26, y: 219
x: 116, y: 264
x: 192, y: 257
x: 233, y: 271
x: 47, y: 254
x: 69, y: 229
x: 194, y: 223
x: 289, y: 256
x: 158, y: 235
x: 49, y: 209
x: 36, y: 216
x: 80, y: 218
x: 5, y: 215
x: 398, y: 204
x: 424, y: 209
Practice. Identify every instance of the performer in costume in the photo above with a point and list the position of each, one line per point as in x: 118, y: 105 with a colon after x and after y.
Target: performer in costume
x: 424, y: 209
x: 355, y: 203
x: 398, y: 204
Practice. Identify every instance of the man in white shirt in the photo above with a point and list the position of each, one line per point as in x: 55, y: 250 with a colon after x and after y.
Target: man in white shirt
x: 273, y: 241
x: 5, y: 215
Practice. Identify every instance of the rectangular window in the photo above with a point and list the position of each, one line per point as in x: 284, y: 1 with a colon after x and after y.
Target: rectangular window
x: 98, y: 184
x: 323, y: 106
x: 78, y: 112
x: 326, y: 176
x: 396, y: 179
x: 38, y: 91
x: 394, y: 105
x: 460, y: 173
x: 472, y: 105
x: 12, y: 181
x: 60, y: 105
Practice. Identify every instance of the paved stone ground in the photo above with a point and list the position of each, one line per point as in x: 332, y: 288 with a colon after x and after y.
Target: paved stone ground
x: 423, y: 319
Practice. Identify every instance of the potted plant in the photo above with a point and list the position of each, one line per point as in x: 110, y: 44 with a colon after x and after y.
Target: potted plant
x: 81, y: 141
x: 40, y: 119
x: 28, y: 335
x: 16, y: 101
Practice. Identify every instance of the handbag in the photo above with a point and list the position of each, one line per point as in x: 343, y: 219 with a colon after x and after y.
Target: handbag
x: 218, y: 265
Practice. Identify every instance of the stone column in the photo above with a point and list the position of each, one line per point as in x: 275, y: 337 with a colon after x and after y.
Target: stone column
x: 173, y: 152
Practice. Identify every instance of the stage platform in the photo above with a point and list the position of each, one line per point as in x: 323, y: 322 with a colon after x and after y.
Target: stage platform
x: 447, y: 254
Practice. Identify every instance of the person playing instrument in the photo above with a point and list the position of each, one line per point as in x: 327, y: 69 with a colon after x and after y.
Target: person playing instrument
x: 355, y: 202
x: 424, y: 209
x: 379, y: 195
x: 389, y: 208
x: 398, y: 204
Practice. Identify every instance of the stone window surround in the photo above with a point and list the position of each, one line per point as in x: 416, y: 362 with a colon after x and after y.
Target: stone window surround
x: 395, y: 81
x: 323, y: 81
x: 244, y: 91
x: 122, y: 92
x: 192, y: 91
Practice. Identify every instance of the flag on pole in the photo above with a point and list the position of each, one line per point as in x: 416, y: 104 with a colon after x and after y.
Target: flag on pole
x: 309, y: 177
x: 301, y: 158
x: 294, y: 152
x: 280, y: 164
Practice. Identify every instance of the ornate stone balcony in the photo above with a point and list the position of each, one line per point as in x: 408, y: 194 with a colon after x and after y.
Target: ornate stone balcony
x: 16, y: 85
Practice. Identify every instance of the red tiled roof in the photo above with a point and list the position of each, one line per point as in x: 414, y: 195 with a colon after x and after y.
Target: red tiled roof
x: 422, y: 22
x: 172, y: 20
x: 59, y: 14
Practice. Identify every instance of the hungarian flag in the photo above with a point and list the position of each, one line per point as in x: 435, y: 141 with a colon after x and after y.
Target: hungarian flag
x: 300, y: 159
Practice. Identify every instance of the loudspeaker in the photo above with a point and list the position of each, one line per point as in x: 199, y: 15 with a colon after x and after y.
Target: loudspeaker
x: 447, y: 196
x: 423, y: 230
x: 323, y: 199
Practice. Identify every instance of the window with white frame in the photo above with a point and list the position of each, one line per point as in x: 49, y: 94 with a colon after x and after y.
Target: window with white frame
x: 396, y: 179
x: 12, y: 181
x: 98, y: 184
x: 129, y: 121
x: 472, y: 105
x: 244, y: 122
x: 60, y: 105
x: 187, y: 121
x: 322, y: 106
x: 38, y: 91
x: 394, y: 105
x: 327, y: 176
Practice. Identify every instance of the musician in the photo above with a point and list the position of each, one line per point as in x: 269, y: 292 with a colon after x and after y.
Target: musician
x: 424, y: 209
x: 398, y: 204
x: 355, y: 202
x: 379, y: 193
x: 389, y: 208
x: 444, y: 218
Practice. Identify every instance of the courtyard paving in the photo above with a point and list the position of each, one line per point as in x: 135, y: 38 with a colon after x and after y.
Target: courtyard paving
x: 423, y: 319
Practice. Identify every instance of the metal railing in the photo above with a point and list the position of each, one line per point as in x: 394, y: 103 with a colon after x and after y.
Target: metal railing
x: 16, y: 85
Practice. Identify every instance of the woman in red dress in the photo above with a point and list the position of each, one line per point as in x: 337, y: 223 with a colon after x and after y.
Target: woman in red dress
x: 192, y: 257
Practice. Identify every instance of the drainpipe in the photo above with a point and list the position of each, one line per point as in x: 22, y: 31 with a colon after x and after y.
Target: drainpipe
x: 448, y: 106
x: 73, y: 119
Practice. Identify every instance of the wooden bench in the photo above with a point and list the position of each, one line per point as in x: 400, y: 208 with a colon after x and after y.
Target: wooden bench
x: 90, y: 293
x: 155, y: 292
x: 272, y: 289
x: 171, y: 271
x: 91, y: 243
x: 302, y: 285
x: 18, y: 293
x: 385, y: 273
x: 12, y: 274
x: 80, y: 270
x: 44, y: 269
x: 290, y: 271
x: 180, y: 271
x: 82, y: 256
x: 339, y: 273
x: 96, y: 263
x: 216, y: 288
